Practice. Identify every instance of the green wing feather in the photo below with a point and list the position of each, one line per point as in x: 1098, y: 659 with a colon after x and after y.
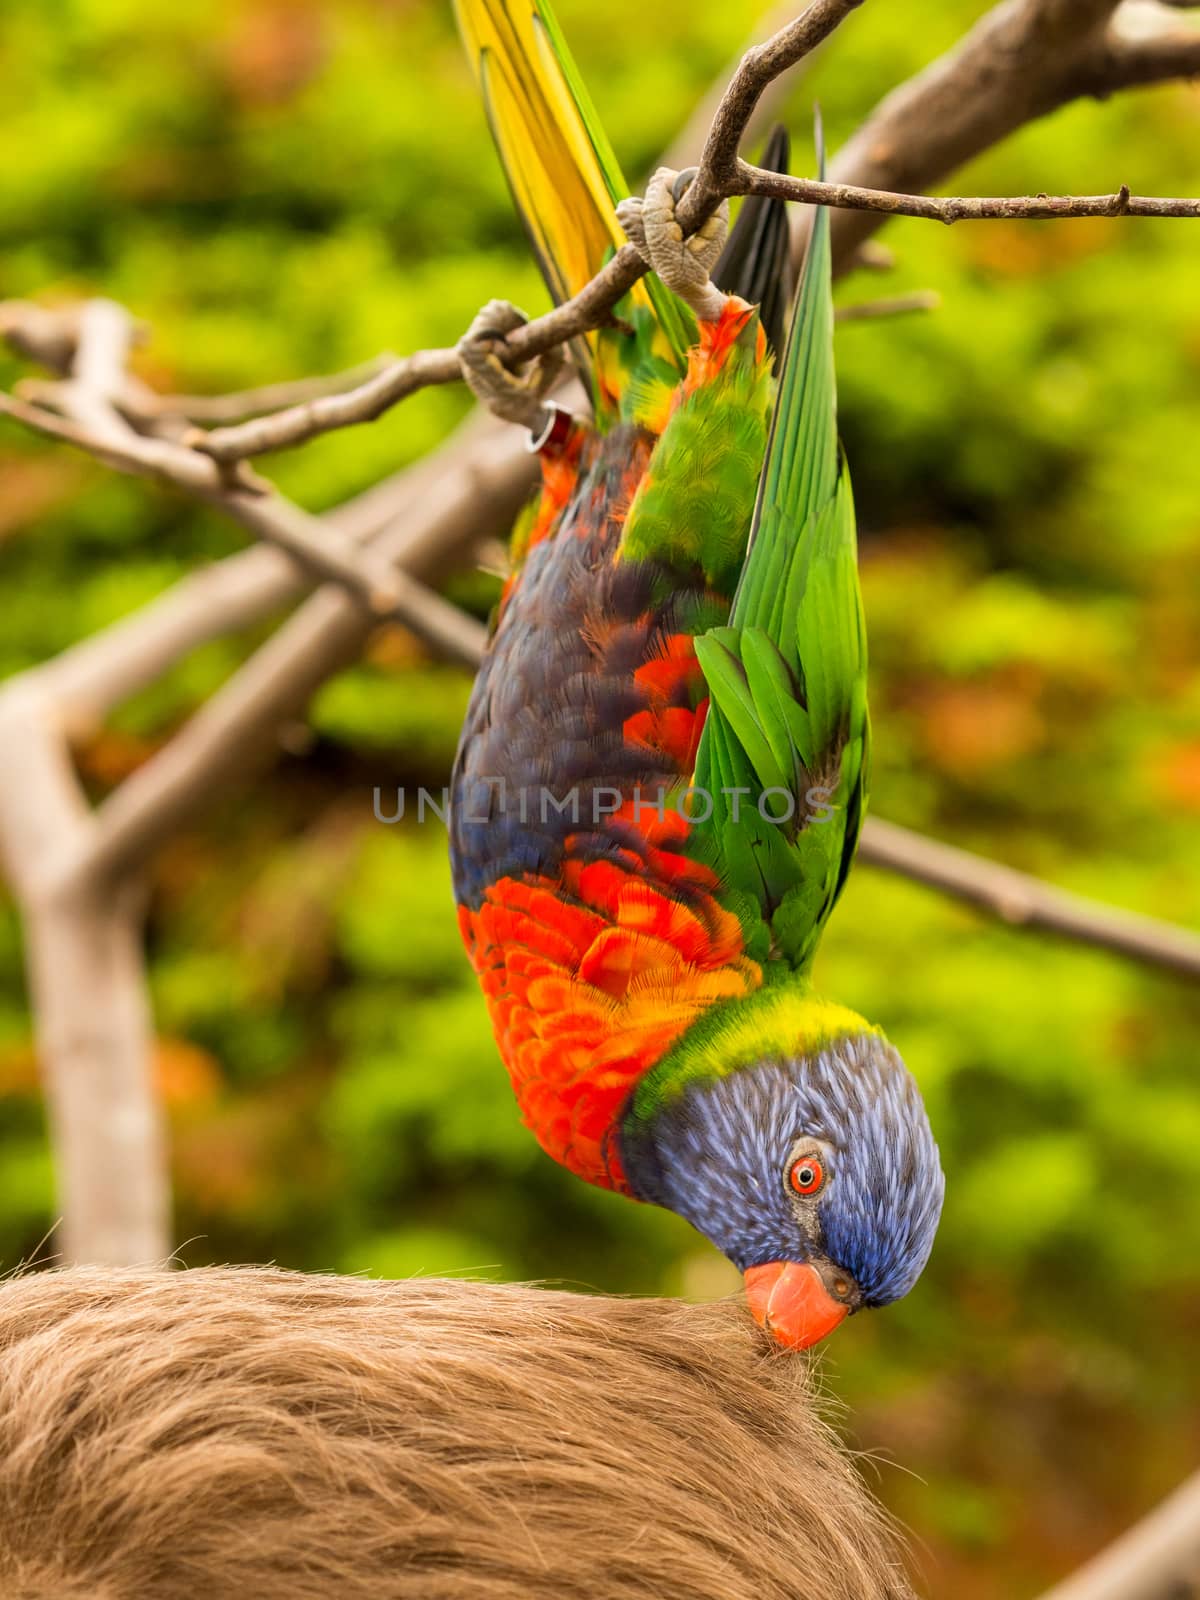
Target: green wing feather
x: 787, y: 724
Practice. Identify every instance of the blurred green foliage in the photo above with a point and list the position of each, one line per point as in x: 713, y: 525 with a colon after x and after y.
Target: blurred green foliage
x: 281, y: 188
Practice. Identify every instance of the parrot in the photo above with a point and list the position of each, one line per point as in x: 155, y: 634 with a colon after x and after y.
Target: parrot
x: 662, y: 771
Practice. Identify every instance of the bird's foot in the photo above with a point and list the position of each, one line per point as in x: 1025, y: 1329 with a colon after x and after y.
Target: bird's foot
x: 684, y: 265
x: 515, y: 396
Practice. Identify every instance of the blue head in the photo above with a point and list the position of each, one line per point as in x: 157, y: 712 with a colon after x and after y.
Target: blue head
x: 816, y: 1174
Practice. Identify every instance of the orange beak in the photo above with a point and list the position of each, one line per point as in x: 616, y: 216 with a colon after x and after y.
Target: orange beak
x: 791, y: 1303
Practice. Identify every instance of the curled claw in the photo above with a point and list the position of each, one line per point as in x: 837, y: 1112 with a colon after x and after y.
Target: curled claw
x: 515, y: 396
x: 683, y: 182
x: 684, y: 265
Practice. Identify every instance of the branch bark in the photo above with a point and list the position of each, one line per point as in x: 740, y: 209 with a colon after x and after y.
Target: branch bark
x: 762, y: 65
x: 92, y: 421
x: 1029, y: 902
x: 235, y: 733
x: 953, y: 208
x: 88, y: 993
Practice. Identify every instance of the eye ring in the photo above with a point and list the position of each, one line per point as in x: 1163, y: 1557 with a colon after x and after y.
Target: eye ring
x: 806, y: 1176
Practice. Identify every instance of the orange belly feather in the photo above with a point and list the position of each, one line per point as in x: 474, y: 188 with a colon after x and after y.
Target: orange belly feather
x: 590, y: 979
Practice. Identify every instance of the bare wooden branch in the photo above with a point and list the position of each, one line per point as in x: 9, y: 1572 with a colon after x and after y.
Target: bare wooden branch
x: 1158, y: 1559
x: 1023, y: 59
x: 361, y: 403
x: 687, y: 147
x: 760, y: 66
x: 949, y: 209
x: 93, y: 423
x: 83, y: 925
x: 111, y: 441
x: 43, y: 334
x: 277, y: 521
x: 83, y: 948
x: 236, y: 732
x: 897, y: 305
x: 92, y: 678
x: 1029, y: 902
x: 218, y: 409
x: 1135, y: 53
x: 83, y: 953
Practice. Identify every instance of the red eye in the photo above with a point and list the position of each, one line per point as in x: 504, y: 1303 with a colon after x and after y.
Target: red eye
x: 807, y: 1175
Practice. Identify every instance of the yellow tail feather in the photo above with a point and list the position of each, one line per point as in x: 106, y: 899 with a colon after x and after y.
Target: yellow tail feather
x: 562, y: 184
x: 561, y: 169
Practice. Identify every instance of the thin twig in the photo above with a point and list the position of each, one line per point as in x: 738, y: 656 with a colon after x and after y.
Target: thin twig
x: 363, y: 402
x: 686, y: 148
x: 218, y: 409
x: 953, y: 208
x: 896, y: 305
x: 1029, y: 902
x: 760, y: 66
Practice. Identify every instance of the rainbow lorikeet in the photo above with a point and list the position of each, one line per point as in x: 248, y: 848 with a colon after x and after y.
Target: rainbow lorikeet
x: 662, y: 774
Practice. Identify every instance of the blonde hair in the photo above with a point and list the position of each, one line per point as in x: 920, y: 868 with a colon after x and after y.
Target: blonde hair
x: 250, y: 1434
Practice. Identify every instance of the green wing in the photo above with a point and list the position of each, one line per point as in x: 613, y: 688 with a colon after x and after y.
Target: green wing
x: 787, y: 723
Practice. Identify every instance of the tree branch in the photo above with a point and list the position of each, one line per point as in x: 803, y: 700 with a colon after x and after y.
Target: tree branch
x: 88, y: 998
x: 235, y: 733
x: 241, y: 404
x: 1028, y: 902
x: 1025, y: 33
x: 760, y: 66
x: 90, y: 679
x: 362, y: 403
x: 83, y: 948
x: 92, y: 422
x: 687, y: 147
x: 949, y: 209
x: 897, y: 305
x: 1023, y: 59
x: 1140, y: 49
